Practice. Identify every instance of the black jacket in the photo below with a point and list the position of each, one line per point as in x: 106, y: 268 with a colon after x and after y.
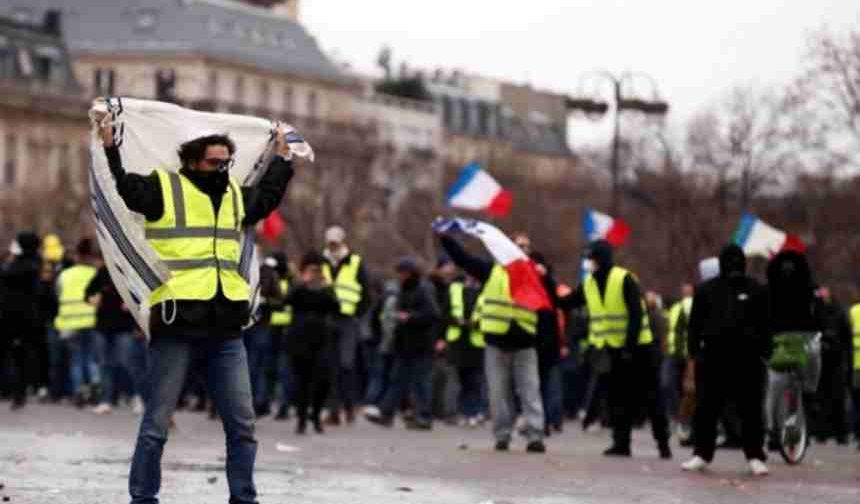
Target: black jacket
x: 516, y: 338
x: 730, y: 318
x: 112, y: 316
x: 218, y: 317
x: 19, y: 293
x: 314, y: 308
x: 792, y: 294
x: 417, y: 336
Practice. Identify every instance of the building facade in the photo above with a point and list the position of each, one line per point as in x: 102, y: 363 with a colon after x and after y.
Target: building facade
x: 44, y: 137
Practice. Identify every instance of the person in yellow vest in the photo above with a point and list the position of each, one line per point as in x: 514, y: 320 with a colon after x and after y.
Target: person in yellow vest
x: 510, y: 357
x: 76, y: 323
x: 675, y: 360
x: 194, y: 219
x: 465, y: 346
x: 618, y: 321
x: 281, y: 321
x: 345, y: 270
x: 855, y: 366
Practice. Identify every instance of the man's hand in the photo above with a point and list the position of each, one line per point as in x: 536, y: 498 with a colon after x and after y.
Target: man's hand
x: 441, y: 345
x: 282, y: 148
x: 105, y: 127
x: 403, y: 316
x: 564, y: 352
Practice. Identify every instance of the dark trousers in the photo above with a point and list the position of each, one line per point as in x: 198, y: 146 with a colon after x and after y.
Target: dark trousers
x: 471, y: 391
x: 830, y: 416
x: 634, y: 384
x: 311, y: 383
x: 16, y: 355
x: 855, y: 407
x: 411, y: 373
x: 718, y: 381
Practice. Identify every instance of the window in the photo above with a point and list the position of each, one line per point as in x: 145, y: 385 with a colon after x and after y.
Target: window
x: 145, y: 20
x: 10, y: 165
x: 103, y: 82
x: 312, y: 104
x: 239, y: 90
x: 23, y: 15
x: 289, y: 106
x: 213, y: 85
x: 265, y: 94
x: 165, y: 85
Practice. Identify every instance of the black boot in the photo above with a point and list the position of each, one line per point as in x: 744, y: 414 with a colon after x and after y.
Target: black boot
x: 665, y: 451
x: 302, y: 426
x: 617, y: 451
x: 283, y: 413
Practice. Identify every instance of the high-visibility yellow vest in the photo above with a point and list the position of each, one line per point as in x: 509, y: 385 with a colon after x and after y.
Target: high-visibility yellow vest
x: 283, y: 317
x: 684, y: 307
x: 608, y: 315
x: 75, y: 313
x: 346, y: 286
x: 855, y: 327
x: 200, y: 248
x: 496, y: 307
x: 458, y: 312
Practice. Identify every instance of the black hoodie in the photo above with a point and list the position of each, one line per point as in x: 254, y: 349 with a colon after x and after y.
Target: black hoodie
x: 793, y: 305
x: 730, y: 314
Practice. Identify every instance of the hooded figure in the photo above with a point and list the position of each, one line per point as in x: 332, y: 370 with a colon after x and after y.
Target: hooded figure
x: 730, y: 339
x: 792, y: 293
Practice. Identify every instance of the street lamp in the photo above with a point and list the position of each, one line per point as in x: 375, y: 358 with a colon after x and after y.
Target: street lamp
x: 653, y: 107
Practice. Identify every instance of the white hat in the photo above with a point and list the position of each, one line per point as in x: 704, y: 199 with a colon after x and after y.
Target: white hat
x: 709, y: 268
x: 335, y: 234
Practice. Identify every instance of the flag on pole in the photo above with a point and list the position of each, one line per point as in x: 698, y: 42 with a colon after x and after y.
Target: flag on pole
x: 599, y: 226
x: 475, y: 189
x: 272, y: 227
x: 526, y: 285
x: 759, y: 238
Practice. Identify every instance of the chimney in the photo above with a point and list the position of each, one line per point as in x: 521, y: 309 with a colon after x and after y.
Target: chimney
x: 53, y: 23
x: 288, y: 9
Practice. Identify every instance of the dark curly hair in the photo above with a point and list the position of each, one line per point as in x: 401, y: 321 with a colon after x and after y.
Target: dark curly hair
x: 194, y: 150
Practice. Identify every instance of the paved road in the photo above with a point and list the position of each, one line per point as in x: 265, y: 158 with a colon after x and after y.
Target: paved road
x: 53, y: 454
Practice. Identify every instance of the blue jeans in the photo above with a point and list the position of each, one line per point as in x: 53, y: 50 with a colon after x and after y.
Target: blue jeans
x: 58, y: 370
x: 471, y: 391
x: 258, y: 344
x: 119, y: 363
x: 226, y: 370
x: 410, y: 372
x: 376, y: 374
x: 86, y: 354
x: 551, y: 395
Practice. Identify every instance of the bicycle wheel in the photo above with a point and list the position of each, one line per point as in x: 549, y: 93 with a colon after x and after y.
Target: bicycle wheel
x: 793, y: 438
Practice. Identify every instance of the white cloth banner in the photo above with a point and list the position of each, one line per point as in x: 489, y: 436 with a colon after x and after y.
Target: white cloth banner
x: 148, y: 134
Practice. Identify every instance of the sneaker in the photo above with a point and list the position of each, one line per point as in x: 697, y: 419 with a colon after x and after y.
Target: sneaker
x: 503, y: 446
x: 536, y: 447
x: 102, y: 409
x: 665, y: 451
x: 137, y: 406
x: 422, y: 425
x: 696, y: 463
x: 318, y: 426
x: 473, y: 423
x: 372, y: 410
x: 757, y: 468
x: 617, y: 451
x: 380, y: 420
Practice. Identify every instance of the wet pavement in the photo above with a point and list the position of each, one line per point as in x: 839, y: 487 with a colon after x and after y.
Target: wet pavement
x: 54, y: 454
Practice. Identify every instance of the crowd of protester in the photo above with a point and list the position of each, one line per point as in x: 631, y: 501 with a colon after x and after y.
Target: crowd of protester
x: 335, y: 339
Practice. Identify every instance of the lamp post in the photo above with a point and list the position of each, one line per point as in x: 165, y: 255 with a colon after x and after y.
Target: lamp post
x: 654, y: 107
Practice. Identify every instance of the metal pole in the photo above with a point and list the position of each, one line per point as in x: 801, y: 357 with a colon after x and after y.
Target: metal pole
x: 616, y: 145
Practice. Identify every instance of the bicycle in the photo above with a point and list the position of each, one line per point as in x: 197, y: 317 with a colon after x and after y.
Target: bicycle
x: 794, y: 369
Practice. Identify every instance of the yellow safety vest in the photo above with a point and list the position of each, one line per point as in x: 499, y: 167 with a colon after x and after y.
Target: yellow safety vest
x: 608, y: 316
x: 458, y: 312
x: 683, y: 306
x: 346, y: 286
x: 200, y: 248
x: 283, y: 317
x: 855, y: 326
x: 75, y: 313
x: 496, y: 307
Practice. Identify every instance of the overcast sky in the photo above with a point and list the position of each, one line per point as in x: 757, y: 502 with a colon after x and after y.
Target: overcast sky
x: 696, y: 50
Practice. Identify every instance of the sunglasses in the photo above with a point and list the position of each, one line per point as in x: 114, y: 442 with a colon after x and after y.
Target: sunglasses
x: 220, y: 164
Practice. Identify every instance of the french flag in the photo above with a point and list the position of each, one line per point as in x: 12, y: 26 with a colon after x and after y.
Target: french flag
x: 475, y: 189
x: 527, y: 287
x: 759, y: 238
x: 599, y: 226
